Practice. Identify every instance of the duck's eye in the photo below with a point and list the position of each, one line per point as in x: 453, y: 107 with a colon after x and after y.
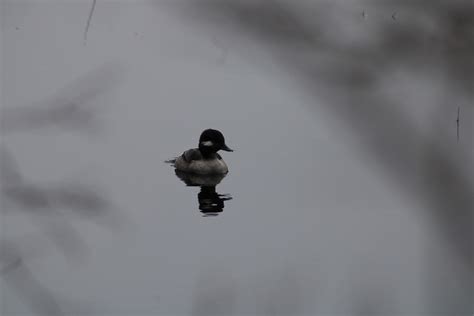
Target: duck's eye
x: 207, y: 143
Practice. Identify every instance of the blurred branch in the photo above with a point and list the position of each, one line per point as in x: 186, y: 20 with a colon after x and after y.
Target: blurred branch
x: 46, y: 204
x: 71, y: 107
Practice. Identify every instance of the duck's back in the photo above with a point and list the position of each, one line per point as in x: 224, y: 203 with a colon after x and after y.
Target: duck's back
x: 193, y: 161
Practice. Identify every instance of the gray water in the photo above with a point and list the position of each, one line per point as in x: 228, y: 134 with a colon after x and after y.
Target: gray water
x: 349, y: 191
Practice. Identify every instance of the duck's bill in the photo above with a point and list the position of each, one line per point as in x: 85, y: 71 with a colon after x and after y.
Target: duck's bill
x: 224, y: 147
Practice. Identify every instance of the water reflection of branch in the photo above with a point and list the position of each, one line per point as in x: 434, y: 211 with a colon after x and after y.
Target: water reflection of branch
x: 37, y: 296
x: 49, y: 206
x: 72, y: 107
x: 43, y: 207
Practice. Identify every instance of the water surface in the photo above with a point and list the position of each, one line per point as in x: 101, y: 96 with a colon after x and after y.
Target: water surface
x: 342, y: 186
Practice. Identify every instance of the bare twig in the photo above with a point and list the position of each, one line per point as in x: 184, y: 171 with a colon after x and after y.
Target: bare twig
x: 457, y: 124
x: 89, y: 19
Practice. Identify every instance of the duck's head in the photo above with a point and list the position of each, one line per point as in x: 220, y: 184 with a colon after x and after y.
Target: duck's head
x: 211, y: 141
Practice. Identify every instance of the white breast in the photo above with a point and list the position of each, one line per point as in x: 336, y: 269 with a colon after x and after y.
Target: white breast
x: 212, y: 166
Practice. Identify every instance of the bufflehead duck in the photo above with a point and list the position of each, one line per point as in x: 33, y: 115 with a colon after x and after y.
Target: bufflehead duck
x: 204, y: 159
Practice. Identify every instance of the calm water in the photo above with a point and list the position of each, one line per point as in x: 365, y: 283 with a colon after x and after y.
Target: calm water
x: 342, y: 186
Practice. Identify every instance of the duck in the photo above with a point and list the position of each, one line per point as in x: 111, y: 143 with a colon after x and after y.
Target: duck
x: 204, y: 160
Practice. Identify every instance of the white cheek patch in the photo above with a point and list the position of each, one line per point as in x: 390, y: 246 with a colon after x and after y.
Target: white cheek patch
x: 207, y: 143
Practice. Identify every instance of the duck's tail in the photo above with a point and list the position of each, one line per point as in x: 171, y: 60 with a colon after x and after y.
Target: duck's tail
x: 171, y: 161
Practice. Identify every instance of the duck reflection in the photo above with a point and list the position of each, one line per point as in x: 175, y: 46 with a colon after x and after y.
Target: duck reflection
x: 211, y: 203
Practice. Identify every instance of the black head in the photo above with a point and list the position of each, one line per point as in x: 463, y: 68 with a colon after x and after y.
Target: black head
x: 211, y: 141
